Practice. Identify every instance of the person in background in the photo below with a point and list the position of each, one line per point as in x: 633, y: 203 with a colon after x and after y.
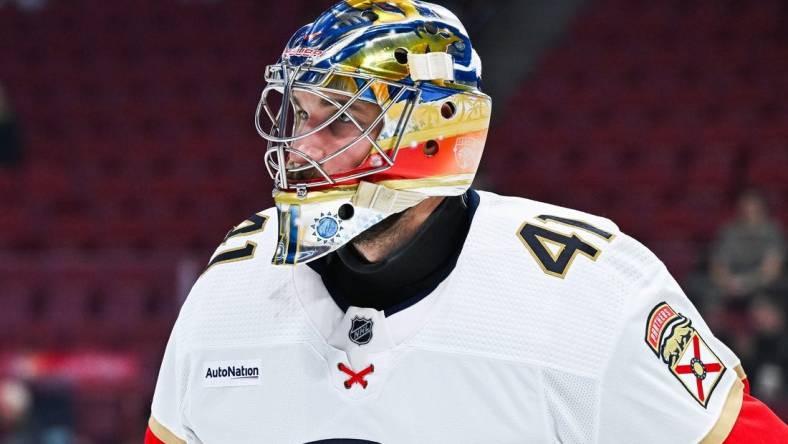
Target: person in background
x: 763, y: 349
x: 25, y: 5
x: 15, y: 412
x: 10, y: 144
x: 747, y: 257
x: 745, y: 299
x: 768, y: 352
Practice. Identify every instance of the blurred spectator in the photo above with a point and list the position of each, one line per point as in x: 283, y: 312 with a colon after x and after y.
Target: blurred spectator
x: 41, y: 413
x: 25, y: 5
x: 747, y: 257
x: 10, y: 146
x: 764, y: 352
x: 15, y: 413
x: 53, y: 412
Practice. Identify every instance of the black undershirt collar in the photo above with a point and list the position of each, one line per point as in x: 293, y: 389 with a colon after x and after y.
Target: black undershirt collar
x: 411, y: 273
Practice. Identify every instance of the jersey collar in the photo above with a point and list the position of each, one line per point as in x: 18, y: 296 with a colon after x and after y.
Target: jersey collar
x: 408, y: 275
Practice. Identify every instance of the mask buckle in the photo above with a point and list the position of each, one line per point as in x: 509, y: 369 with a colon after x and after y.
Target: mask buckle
x: 301, y: 191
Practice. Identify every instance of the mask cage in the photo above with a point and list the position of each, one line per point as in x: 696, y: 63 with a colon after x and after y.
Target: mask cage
x: 285, y: 79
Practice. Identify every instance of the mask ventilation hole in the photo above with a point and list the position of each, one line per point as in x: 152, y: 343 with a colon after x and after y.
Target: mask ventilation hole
x: 431, y: 28
x: 346, y: 211
x: 369, y: 15
x: 401, y: 55
x: 431, y: 148
x: 448, y: 110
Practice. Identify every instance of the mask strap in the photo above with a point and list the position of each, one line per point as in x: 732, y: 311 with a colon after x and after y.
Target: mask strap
x: 383, y: 199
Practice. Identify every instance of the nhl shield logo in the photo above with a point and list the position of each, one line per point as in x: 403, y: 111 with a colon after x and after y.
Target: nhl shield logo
x: 360, y: 330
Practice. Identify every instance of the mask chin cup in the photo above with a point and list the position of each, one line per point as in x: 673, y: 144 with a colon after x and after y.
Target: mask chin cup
x: 309, y: 231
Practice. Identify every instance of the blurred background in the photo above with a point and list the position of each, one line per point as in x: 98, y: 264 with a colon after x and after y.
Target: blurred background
x: 127, y: 151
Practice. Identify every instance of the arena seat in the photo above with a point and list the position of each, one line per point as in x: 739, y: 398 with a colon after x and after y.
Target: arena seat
x: 644, y: 83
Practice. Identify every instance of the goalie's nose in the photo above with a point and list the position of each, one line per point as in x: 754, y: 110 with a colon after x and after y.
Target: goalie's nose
x: 309, y: 151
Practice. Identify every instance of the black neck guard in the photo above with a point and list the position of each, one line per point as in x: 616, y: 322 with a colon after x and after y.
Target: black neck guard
x: 408, y: 275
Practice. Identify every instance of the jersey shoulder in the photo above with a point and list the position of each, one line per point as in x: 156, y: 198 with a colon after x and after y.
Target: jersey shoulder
x: 520, y: 209
x: 543, y: 284
x: 240, y: 297
x: 574, y: 266
x: 556, y: 237
x: 250, y: 237
x: 243, y: 257
x: 594, y: 311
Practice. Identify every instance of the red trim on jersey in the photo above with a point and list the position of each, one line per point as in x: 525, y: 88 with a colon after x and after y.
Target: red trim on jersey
x: 150, y: 438
x: 756, y: 423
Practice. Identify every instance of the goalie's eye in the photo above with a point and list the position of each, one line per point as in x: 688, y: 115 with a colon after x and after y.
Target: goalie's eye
x: 344, y: 118
x: 302, y: 115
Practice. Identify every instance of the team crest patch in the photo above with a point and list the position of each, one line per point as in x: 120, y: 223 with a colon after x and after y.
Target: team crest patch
x: 361, y: 330
x: 673, y: 339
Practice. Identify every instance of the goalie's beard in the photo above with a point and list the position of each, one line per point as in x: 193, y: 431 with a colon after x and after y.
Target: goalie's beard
x: 303, y: 175
x: 307, y: 174
x: 373, y: 234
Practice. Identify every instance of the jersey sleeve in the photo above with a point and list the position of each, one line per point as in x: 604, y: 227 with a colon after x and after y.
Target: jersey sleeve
x: 756, y: 423
x: 165, y: 424
x: 667, y: 378
x: 168, y: 422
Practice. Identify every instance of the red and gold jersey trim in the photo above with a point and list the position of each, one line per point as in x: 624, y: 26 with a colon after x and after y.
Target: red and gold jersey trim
x: 158, y: 434
x: 730, y: 411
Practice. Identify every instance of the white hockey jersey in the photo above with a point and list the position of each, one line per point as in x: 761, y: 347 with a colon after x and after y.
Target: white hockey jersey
x: 552, y: 327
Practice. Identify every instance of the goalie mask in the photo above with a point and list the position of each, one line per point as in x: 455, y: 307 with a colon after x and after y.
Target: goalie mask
x: 371, y: 109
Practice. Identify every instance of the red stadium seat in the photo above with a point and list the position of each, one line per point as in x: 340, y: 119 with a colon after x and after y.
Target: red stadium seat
x: 681, y: 257
x: 16, y: 296
x: 767, y: 168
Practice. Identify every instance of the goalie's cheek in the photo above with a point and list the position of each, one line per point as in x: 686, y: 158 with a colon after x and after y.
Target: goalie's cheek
x: 351, y: 158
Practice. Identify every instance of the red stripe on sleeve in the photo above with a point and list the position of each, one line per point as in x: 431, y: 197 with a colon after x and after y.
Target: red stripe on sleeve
x: 150, y: 438
x: 756, y: 423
